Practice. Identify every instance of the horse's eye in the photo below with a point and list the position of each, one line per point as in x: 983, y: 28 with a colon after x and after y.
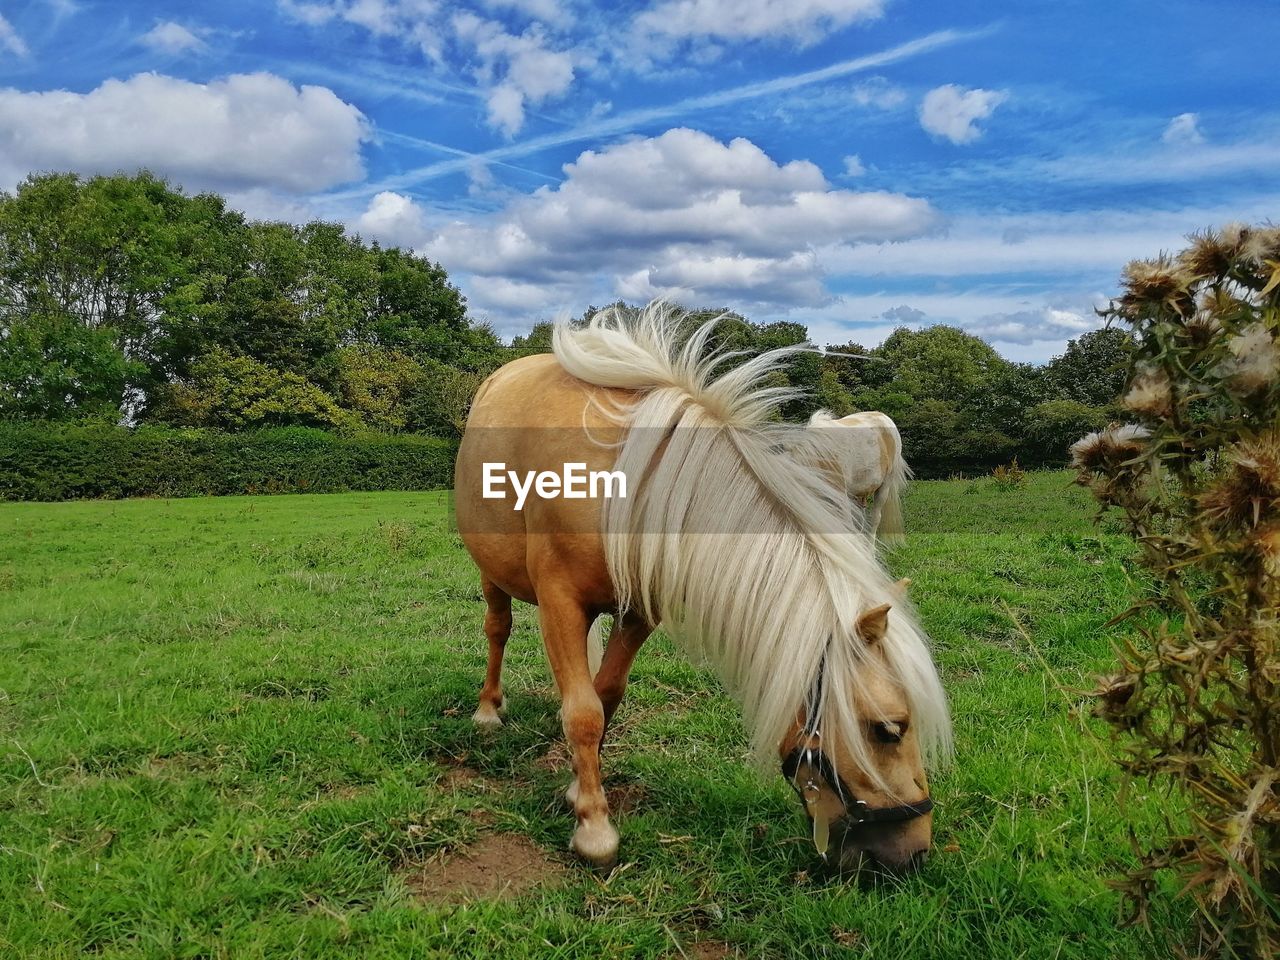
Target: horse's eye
x: 889, y: 732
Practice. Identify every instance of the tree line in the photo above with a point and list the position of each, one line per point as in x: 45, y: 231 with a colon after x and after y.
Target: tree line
x: 125, y: 300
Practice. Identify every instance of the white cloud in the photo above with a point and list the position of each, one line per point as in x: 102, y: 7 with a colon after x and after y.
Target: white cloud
x: 1183, y: 130
x: 480, y: 179
x: 172, y: 38
x: 548, y: 11
x: 63, y: 8
x: 953, y: 112
x: 801, y: 21
x: 879, y: 93
x: 394, y: 220
x: 417, y: 23
x: 1028, y: 327
x: 243, y: 131
x: 1095, y: 243
x: 520, y: 300
x: 514, y: 71
x: 9, y: 39
x: 1034, y: 325
x: 681, y: 214
x: 517, y: 70
x: 853, y: 166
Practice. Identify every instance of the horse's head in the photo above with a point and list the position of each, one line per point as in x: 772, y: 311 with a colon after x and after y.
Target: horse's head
x: 868, y: 804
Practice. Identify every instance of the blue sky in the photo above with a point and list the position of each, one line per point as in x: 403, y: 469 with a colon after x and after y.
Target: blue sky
x: 854, y: 165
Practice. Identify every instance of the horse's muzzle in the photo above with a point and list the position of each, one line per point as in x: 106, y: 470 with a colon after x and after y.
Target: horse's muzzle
x: 872, y: 849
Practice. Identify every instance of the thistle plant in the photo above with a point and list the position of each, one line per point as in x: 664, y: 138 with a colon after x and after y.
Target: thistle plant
x: 1195, y: 703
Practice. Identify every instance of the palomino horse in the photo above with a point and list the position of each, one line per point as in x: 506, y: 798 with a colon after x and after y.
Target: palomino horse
x: 751, y: 561
x: 872, y: 466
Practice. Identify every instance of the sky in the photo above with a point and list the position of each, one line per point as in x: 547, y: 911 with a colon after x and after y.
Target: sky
x: 852, y: 165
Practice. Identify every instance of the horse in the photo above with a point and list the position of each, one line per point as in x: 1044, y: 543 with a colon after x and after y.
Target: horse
x: 871, y: 466
x: 749, y: 560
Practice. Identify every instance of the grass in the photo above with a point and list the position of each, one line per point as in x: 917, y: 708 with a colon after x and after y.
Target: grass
x: 226, y: 723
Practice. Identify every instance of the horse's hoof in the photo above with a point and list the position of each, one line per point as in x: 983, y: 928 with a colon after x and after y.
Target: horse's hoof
x: 486, y: 717
x: 597, y: 844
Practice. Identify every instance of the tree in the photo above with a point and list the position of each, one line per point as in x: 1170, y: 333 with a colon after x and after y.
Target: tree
x: 942, y: 363
x: 54, y: 368
x: 537, y: 340
x: 1092, y: 370
x: 1052, y: 426
x: 233, y: 392
x: 441, y: 405
x: 380, y: 386
x: 177, y: 286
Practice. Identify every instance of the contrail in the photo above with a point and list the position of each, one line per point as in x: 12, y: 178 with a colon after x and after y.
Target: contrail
x: 471, y: 158
x: 633, y: 118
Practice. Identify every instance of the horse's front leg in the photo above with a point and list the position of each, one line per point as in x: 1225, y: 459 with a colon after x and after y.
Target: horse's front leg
x: 564, y: 631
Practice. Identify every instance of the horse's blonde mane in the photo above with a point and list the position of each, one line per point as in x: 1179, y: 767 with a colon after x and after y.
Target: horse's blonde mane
x: 751, y: 560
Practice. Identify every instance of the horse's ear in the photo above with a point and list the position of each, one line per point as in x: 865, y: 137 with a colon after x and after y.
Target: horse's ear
x: 873, y: 624
x: 900, y: 588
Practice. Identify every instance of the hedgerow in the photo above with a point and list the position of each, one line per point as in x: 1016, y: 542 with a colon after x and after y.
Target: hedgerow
x: 53, y: 461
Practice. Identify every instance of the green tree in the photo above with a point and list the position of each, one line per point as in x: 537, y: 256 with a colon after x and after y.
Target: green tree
x: 116, y: 255
x: 537, y: 340
x: 379, y: 386
x: 234, y: 392
x: 942, y: 363
x: 1052, y: 426
x: 1093, y: 368
x: 52, y: 367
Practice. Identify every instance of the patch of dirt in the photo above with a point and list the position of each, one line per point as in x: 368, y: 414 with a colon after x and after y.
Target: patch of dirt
x: 555, y: 759
x: 463, y: 778
x: 496, y: 867
x: 626, y: 797
x: 347, y: 791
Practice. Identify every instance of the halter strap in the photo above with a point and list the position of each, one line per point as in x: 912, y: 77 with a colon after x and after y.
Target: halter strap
x: 855, y: 811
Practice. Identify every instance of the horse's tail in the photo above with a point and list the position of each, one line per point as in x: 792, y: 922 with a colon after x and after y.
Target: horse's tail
x: 595, y: 645
x: 886, y: 512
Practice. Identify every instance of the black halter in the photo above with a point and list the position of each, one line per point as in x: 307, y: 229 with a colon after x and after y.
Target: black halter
x: 855, y: 811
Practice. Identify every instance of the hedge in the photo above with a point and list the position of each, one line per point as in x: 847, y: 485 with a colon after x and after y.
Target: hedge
x: 49, y: 461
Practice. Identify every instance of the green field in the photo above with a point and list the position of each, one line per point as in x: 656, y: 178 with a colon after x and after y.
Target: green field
x: 239, y: 727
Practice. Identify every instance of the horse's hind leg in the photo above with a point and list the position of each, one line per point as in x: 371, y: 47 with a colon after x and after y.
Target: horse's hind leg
x: 564, y: 631
x: 497, y: 627
x: 625, y: 640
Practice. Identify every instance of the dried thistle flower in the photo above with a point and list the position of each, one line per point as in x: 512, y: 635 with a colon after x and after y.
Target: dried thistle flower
x: 1209, y: 255
x: 1116, y: 445
x: 1154, y: 280
x: 1233, y: 237
x: 1194, y: 701
x: 1261, y: 245
x: 1150, y: 394
x: 1254, y: 362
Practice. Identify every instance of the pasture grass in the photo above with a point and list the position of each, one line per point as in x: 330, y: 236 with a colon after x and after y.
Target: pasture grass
x: 226, y: 725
